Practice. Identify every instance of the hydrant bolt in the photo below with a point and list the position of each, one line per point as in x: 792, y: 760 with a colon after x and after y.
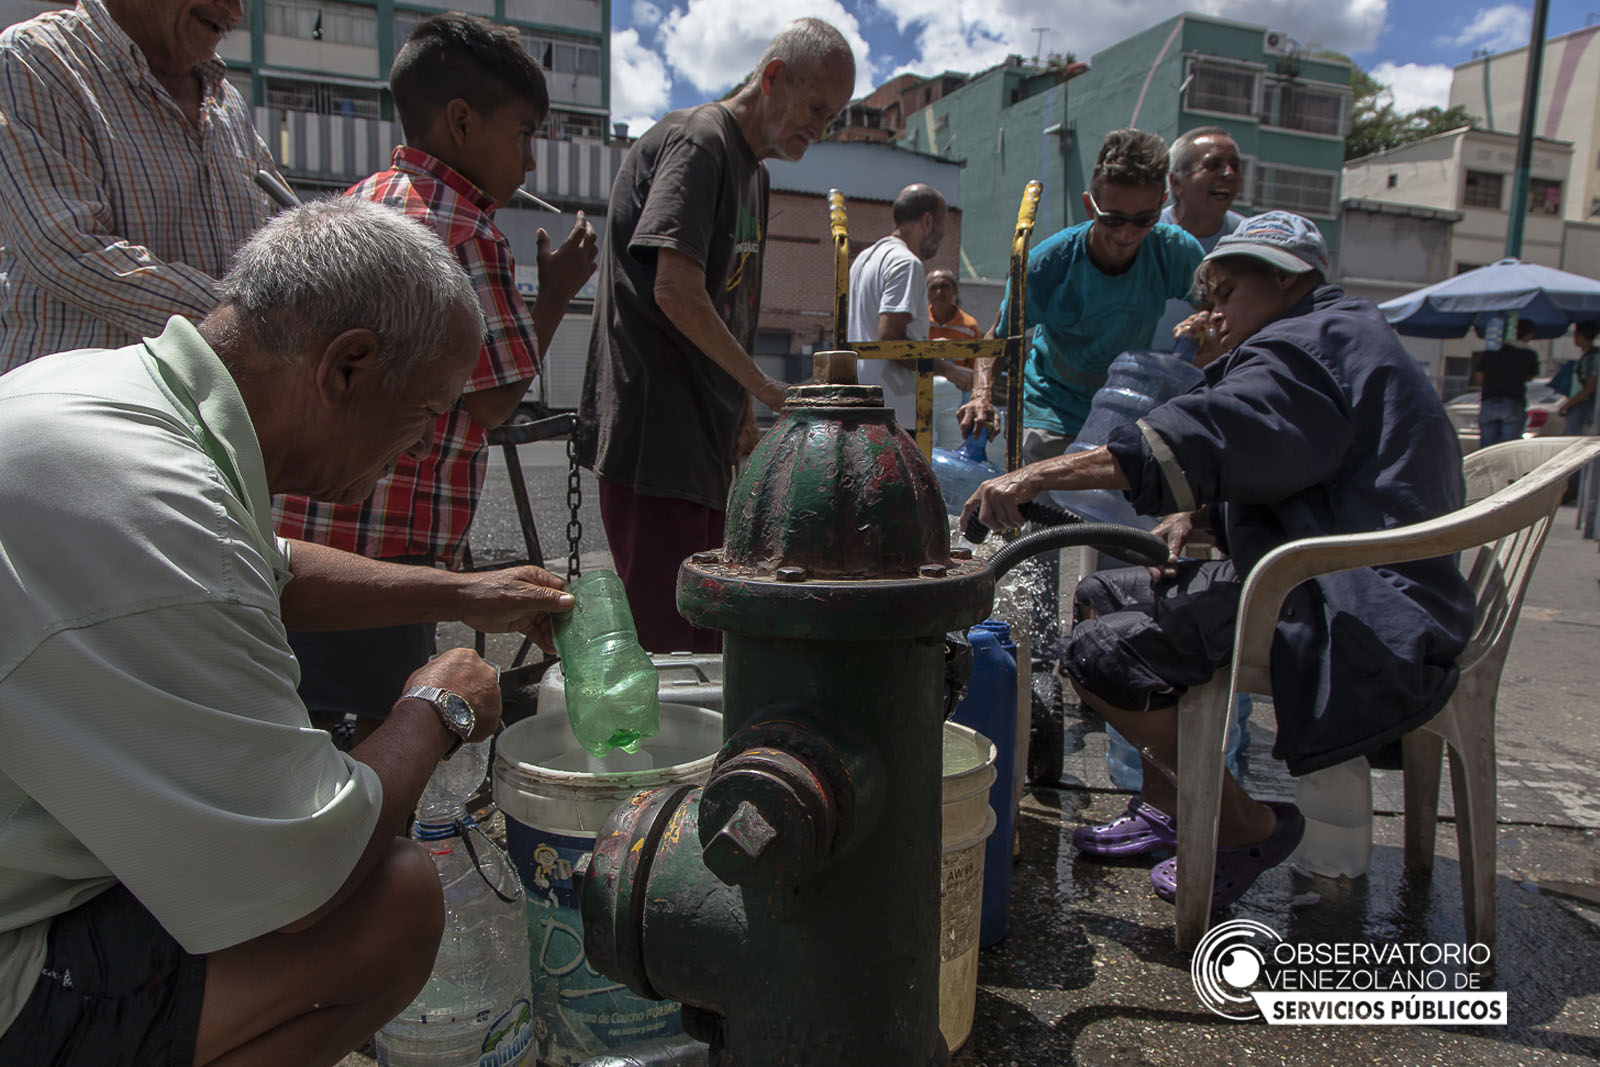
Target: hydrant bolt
x: 736, y: 847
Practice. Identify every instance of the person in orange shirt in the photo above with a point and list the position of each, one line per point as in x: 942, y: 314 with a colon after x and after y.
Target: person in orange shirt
x: 946, y: 320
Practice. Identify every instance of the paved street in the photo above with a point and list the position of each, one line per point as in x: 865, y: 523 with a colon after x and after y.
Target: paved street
x: 1088, y: 974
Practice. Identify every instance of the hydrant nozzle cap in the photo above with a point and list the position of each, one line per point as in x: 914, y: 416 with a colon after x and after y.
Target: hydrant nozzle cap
x: 834, y: 368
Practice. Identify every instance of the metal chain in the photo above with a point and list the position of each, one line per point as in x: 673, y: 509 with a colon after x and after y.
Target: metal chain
x: 574, y: 502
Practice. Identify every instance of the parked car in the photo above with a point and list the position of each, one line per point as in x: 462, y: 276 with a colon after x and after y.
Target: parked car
x: 1542, y: 418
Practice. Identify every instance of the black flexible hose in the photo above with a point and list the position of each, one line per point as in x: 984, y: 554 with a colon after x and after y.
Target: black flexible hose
x: 1034, y: 511
x: 1136, y: 544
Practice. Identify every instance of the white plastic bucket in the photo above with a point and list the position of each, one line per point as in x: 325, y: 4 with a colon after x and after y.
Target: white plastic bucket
x: 555, y: 797
x: 968, y: 820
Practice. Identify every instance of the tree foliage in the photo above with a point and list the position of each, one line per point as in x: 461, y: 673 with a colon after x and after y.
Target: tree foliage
x: 1376, y: 125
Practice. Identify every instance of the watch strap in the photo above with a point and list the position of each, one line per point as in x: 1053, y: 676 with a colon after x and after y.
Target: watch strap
x: 438, y: 697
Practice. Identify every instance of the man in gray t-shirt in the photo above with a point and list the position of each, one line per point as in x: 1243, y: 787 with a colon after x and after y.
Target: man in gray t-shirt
x: 666, y: 406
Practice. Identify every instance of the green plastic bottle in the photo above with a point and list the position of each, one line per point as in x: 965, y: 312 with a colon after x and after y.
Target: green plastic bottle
x: 612, y: 686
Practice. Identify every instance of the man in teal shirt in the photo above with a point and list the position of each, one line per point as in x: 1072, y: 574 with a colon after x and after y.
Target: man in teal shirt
x: 1095, y: 290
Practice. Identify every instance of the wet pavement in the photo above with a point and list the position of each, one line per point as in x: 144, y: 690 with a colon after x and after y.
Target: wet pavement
x: 1089, y: 975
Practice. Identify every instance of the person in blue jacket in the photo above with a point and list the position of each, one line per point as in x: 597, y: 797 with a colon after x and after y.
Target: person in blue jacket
x: 1315, y: 422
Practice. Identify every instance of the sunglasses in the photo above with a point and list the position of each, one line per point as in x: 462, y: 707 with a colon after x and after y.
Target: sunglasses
x: 1116, y: 220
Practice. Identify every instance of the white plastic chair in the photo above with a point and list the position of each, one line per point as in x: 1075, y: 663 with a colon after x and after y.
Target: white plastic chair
x: 1513, y: 490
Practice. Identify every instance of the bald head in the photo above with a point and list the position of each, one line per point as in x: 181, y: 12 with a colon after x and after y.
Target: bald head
x: 919, y: 219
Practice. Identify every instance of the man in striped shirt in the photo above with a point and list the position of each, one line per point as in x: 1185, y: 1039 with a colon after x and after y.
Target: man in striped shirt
x: 470, y: 99
x: 127, y: 172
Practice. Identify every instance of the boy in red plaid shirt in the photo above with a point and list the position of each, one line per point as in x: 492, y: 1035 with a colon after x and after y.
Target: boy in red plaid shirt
x: 469, y: 99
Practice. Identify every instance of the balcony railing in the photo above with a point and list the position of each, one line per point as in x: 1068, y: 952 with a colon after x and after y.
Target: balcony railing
x: 334, y: 150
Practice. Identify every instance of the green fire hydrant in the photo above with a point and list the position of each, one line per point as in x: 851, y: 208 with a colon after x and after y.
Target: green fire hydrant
x: 792, y: 903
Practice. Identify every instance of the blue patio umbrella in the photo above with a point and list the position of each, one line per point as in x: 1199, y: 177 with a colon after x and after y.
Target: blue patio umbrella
x: 1551, y: 299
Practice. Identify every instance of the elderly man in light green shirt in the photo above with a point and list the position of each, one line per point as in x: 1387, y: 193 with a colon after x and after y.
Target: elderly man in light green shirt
x: 160, y: 784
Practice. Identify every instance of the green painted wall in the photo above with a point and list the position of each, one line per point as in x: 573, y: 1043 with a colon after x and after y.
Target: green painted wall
x: 1003, y: 144
x: 1104, y: 99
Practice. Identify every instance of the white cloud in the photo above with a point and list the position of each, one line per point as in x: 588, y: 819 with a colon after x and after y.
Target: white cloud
x: 1415, y: 85
x: 645, y: 13
x: 972, y: 34
x: 640, y: 85
x: 714, y: 44
x: 1495, y: 28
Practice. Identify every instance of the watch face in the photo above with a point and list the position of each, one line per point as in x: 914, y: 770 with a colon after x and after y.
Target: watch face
x: 458, y: 712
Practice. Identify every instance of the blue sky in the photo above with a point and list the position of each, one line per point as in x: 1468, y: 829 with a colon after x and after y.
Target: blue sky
x: 674, y: 53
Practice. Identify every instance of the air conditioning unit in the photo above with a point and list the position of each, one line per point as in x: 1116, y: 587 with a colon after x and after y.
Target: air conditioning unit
x: 1278, y: 44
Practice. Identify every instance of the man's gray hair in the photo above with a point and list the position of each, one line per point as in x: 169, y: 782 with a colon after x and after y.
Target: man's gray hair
x: 805, y: 44
x: 345, y: 263
x: 1183, y: 152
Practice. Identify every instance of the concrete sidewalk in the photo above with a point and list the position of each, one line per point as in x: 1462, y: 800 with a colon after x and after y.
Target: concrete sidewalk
x: 1089, y: 975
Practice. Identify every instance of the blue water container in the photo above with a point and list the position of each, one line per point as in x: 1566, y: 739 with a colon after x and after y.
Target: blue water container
x: 960, y: 471
x: 990, y: 707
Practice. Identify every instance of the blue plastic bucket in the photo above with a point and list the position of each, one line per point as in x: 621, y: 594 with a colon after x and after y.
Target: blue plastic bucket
x: 990, y: 707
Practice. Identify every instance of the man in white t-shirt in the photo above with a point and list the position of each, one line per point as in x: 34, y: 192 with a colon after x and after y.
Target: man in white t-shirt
x: 889, y: 297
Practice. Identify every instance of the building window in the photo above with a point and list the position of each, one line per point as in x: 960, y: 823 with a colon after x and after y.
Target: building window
x: 1293, y: 106
x: 572, y: 125
x: 1213, y: 87
x: 320, y: 98
x: 773, y: 342
x: 333, y: 23
x: 1544, y: 197
x: 1394, y: 179
x: 1483, y: 190
x: 1305, y: 192
x: 405, y: 23
x: 562, y: 55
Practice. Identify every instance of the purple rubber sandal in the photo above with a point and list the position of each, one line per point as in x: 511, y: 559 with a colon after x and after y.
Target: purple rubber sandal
x: 1138, y: 830
x: 1239, y: 867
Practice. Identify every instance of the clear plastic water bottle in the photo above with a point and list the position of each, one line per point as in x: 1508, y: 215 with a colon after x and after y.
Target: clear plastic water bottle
x: 611, y: 689
x: 476, y: 1010
x: 1337, y: 804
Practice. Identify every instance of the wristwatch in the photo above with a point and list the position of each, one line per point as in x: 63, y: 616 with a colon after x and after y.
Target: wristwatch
x: 454, y: 711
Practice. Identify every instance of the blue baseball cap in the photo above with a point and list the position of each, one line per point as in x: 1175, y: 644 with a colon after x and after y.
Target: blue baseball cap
x: 1282, y: 238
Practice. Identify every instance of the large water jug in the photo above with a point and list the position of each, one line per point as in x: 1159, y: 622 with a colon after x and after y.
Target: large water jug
x: 1136, y: 382
x: 610, y: 681
x: 476, y: 1009
x: 1337, y: 804
x: 960, y: 471
x: 990, y: 707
